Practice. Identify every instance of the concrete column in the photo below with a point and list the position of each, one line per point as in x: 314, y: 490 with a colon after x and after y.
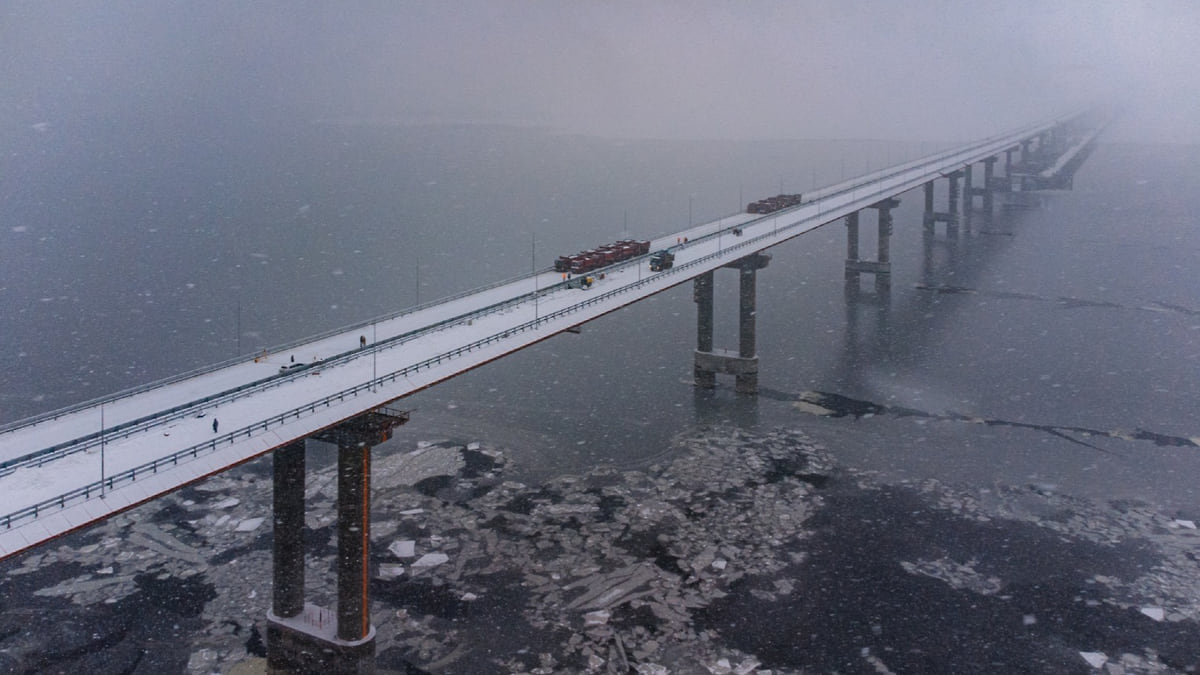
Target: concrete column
x: 885, y: 235
x: 1008, y: 161
x: 851, y: 245
x: 883, y: 266
x: 304, y: 643
x: 968, y: 197
x: 353, y: 519
x: 952, y: 207
x: 747, y: 383
x: 702, y: 293
x: 743, y: 363
x: 988, y: 171
x: 288, y: 552
x: 928, y: 219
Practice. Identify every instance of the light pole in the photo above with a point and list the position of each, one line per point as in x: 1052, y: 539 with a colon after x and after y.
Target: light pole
x: 238, y: 325
x: 533, y: 270
x: 102, y: 450
x: 374, y: 356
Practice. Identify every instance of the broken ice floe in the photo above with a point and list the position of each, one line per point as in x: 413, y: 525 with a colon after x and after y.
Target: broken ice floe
x: 403, y: 549
x: 957, y: 575
x: 1155, y: 613
x: 390, y: 571
x: 598, y: 617
x: 1094, y: 659
x: 431, y: 560
x: 612, y: 565
x: 427, y: 461
x: 249, y: 525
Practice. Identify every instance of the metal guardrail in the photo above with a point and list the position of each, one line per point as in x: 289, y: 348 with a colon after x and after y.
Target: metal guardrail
x: 242, y: 358
x: 192, y: 452
x: 184, y: 410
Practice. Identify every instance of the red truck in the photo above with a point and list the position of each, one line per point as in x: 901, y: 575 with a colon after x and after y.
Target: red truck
x: 586, y: 261
x: 773, y: 204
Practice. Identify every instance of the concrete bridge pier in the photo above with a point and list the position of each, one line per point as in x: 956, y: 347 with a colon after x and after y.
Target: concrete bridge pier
x: 927, y: 219
x: 968, y: 198
x: 950, y: 216
x: 287, y: 599
x: 303, y: 637
x: 851, y: 246
x: 952, y: 199
x: 985, y: 190
x: 882, y: 267
x: 989, y: 170
x: 743, y: 364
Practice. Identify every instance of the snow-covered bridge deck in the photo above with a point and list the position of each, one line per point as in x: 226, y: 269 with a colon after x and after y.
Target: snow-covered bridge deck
x: 64, y: 470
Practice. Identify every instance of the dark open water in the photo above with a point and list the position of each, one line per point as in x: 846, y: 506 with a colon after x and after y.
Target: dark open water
x: 1057, y: 347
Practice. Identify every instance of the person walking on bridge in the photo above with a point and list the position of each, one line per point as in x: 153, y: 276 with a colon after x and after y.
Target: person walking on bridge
x: 214, y: 425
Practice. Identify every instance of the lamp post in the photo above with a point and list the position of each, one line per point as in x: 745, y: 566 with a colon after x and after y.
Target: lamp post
x: 237, y: 327
x: 533, y: 270
x: 102, y: 450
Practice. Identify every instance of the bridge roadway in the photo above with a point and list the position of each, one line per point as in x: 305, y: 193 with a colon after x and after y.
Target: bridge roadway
x: 60, y: 472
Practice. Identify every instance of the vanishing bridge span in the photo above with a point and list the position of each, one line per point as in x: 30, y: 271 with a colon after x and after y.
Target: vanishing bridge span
x: 66, y: 469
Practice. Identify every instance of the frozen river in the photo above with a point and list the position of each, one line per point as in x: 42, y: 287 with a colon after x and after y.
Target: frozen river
x: 992, y: 473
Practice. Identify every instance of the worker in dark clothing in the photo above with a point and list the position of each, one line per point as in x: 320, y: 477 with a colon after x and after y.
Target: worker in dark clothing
x: 214, y: 425
x: 362, y: 341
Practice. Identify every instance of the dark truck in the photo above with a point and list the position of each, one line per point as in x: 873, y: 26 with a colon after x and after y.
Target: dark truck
x: 662, y: 260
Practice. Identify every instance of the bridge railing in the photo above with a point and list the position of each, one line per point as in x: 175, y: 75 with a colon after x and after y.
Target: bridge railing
x: 190, y: 408
x: 58, y: 413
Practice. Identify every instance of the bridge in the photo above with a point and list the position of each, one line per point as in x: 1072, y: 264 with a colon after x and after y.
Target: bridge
x: 64, y: 470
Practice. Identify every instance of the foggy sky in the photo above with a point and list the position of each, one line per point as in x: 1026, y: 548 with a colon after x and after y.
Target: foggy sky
x: 921, y: 70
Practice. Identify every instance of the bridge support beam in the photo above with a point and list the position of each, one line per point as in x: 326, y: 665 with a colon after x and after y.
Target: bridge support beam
x: 989, y: 170
x: 851, y: 244
x: 743, y: 364
x: 984, y: 190
x: 968, y: 197
x: 882, y: 267
x: 952, y: 197
x: 702, y: 294
x: 950, y: 215
x: 353, y: 519
x: 313, y: 639
x: 288, y: 548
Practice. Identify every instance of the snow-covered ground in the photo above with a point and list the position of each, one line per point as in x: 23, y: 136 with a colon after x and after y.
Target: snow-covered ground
x: 256, y: 408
